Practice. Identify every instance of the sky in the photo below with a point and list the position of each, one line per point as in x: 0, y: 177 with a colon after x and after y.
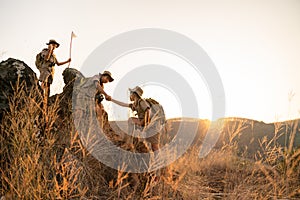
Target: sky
x: 254, y: 44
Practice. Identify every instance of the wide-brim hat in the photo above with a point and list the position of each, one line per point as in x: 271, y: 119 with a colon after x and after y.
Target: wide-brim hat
x: 137, y: 90
x: 53, y: 42
x: 107, y: 73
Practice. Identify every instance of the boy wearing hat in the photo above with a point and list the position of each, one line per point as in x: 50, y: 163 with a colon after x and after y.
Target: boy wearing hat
x: 92, y: 89
x: 105, y: 77
x: 99, y: 81
x: 142, y: 107
x: 45, y: 62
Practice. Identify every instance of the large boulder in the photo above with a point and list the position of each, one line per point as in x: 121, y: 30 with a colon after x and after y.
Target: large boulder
x: 65, y: 98
x: 14, y: 72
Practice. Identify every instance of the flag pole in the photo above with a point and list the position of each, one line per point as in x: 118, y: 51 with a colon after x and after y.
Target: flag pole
x: 70, y: 53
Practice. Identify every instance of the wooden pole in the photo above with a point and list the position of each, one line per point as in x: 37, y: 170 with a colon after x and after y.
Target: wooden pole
x: 70, y: 53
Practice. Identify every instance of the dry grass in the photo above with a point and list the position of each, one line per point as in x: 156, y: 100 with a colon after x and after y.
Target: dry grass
x: 41, y: 161
x: 33, y: 164
x: 226, y: 174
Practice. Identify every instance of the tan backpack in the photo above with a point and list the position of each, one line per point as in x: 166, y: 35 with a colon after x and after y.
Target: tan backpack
x: 157, y: 111
x: 39, y: 59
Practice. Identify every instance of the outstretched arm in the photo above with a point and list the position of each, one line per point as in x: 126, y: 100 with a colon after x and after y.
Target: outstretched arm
x: 65, y: 62
x: 120, y: 103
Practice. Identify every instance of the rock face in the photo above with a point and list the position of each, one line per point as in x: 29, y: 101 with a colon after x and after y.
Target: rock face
x: 69, y: 75
x: 65, y: 98
x: 12, y: 72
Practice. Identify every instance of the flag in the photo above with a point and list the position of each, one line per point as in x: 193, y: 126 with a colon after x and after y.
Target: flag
x: 73, y: 35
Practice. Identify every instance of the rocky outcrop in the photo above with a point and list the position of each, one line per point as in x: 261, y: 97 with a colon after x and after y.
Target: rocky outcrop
x: 65, y: 98
x: 14, y: 72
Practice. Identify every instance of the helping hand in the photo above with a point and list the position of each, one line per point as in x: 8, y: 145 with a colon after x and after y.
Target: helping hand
x: 108, y: 98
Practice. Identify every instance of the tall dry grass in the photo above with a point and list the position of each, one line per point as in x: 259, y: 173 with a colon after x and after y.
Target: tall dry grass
x: 227, y: 173
x: 33, y: 164
x: 42, y: 157
x: 48, y: 161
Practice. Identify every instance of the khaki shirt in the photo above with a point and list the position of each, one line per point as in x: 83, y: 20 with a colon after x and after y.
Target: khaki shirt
x: 48, y: 63
x: 47, y: 67
x: 140, y: 107
x: 86, y: 86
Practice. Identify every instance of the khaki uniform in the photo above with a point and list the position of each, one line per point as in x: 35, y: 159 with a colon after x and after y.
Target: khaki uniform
x: 84, y: 103
x: 154, y: 127
x: 140, y: 107
x: 47, y: 67
x: 85, y: 90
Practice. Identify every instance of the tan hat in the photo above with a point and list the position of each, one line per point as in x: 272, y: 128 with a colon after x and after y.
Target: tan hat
x: 137, y: 90
x: 107, y: 73
x: 53, y: 42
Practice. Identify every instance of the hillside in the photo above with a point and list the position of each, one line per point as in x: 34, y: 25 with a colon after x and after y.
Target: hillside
x: 49, y: 160
x: 247, y: 134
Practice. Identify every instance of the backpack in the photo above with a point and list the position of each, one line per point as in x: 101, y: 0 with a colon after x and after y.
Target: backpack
x: 157, y: 111
x: 39, y: 60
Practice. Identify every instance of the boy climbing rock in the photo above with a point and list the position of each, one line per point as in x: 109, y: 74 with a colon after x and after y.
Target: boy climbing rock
x: 45, y: 62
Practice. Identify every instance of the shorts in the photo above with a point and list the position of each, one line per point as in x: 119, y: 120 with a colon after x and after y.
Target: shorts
x: 46, y: 74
